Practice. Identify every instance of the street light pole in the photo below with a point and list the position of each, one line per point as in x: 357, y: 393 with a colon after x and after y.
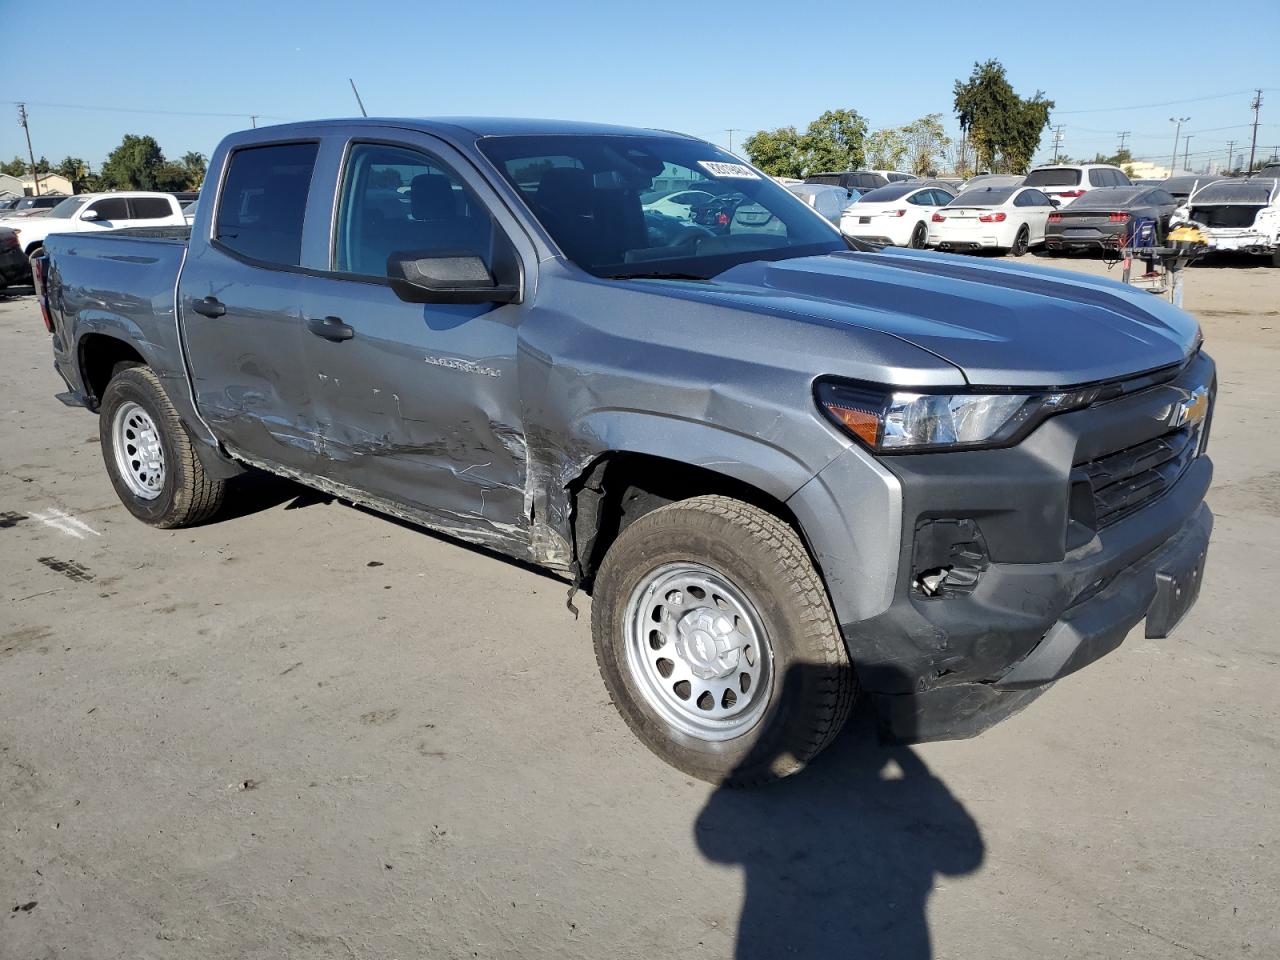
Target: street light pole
x: 1186, y: 150
x: 1173, y: 162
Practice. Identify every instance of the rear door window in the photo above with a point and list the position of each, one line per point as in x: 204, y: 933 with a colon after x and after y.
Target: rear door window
x: 150, y: 208
x: 264, y: 202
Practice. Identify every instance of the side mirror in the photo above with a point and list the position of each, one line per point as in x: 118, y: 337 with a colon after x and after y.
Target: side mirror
x: 1054, y: 203
x: 91, y: 215
x: 446, y: 276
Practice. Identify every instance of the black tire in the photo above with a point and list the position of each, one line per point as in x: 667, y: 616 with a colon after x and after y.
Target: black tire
x: 813, y: 685
x: 919, y: 237
x: 1021, y: 242
x: 187, y: 495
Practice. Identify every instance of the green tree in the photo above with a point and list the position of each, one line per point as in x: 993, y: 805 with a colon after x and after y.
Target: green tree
x: 1003, y: 128
x: 137, y: 164
x: 887, y: 149
x: 776, y: 152
x: 77, y: 171
x: 834, y: 142
x: 196, y: 165
x: 17, y: 167
x: 927, y: 144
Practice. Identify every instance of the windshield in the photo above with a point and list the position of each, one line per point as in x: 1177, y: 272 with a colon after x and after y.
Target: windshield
x: 586, y: 192
x: 894, y: 191
x: 1057, y: 177
x: 982, y: 197
x: 68, y: 207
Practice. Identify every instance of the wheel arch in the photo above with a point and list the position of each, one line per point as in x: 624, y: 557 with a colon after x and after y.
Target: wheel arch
x: 97, y: 356
x: 618, y: 487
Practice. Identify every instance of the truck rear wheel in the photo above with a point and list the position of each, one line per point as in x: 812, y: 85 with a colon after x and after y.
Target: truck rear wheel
x: 148, y: 454
x: 717, y: 642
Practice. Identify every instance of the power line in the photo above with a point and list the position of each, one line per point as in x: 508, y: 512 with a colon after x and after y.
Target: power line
x: 160, y: 113
x: 1163, y: 103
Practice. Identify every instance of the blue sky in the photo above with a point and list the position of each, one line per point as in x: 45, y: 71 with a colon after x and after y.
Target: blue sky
x: 696, y: 67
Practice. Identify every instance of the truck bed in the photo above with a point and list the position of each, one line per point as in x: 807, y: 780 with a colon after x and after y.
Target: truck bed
x: 86, y: 289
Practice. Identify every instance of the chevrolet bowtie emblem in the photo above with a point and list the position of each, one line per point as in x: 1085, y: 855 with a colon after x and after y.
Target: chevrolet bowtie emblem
x: 1192, y: 410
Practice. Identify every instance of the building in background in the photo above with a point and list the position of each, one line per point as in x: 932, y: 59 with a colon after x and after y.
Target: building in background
x: 25, y: 186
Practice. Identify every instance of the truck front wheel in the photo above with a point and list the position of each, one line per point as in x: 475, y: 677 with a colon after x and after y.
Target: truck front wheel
x: 148, y: 454
x: 717, y: 642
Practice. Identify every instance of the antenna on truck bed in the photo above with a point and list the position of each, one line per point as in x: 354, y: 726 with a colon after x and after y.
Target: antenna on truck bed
x: 363, y: 112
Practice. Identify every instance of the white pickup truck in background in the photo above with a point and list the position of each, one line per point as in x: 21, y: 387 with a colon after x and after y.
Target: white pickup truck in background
x: 97, y: 211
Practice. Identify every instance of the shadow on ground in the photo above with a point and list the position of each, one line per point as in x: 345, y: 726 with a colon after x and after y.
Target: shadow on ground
x: 839, y: 860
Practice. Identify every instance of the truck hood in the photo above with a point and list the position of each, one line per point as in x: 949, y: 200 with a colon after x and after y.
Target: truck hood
x: 1001, y: 324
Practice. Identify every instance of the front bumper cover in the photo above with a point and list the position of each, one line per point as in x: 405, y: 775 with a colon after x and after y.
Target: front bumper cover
x: 1052, y: 594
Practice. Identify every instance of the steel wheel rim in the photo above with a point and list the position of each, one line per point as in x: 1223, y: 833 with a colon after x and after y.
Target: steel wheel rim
x: 135, y: 443
x: 698, y: 652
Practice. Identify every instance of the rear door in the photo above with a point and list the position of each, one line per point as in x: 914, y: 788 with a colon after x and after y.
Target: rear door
x: 241, y: 293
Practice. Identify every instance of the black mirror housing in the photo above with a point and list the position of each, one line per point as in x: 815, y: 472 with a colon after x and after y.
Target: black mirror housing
x: 446, y: 276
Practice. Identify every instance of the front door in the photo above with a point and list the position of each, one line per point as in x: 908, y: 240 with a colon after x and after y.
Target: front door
x: 241, y: 297
x: 417, y: 404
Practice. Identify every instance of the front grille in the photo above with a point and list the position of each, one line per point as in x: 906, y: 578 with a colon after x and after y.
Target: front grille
x: 1127, y: 480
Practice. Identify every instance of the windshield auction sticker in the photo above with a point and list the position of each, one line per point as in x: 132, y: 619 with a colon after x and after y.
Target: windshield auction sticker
x: 734, y: 171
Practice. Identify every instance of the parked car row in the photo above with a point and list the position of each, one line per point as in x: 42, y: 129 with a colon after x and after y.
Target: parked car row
x: 90, y: 211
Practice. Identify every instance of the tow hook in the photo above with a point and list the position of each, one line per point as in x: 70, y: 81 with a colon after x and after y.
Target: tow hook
x: 930, y: 581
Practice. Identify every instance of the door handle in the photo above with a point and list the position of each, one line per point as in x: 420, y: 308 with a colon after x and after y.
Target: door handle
x: 331, y: 328
x: 209, y: 307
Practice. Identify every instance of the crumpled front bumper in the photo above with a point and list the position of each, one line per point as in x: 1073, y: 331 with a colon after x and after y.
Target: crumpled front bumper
x: 1084, y: 633
x: 1048, y: 583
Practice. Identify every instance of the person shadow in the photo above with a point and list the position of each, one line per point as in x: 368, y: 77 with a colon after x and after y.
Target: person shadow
x: 839, y: 860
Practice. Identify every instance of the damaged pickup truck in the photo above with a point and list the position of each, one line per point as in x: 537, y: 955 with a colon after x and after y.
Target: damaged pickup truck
x: 786, y: 467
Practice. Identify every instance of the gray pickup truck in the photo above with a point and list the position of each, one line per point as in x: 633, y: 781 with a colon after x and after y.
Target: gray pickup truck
x: 786, y: 466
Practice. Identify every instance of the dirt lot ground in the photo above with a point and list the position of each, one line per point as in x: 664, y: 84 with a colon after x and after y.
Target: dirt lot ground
x: 306, y: 731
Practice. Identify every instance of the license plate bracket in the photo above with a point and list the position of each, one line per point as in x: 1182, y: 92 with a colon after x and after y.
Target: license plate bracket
x: 1176, y: 592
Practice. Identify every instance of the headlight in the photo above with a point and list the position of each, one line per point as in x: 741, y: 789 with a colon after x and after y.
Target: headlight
x: 894, y: 421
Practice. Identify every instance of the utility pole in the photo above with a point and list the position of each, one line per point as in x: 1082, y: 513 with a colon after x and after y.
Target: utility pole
x: 731, y: 131
x: 1231, y: 156
x: 1124, y: 135
x: 1186, y: 150
x: 1057, y: 141
x: 22, y: 122
x: 1256, y: 106
x: 1173, y: 162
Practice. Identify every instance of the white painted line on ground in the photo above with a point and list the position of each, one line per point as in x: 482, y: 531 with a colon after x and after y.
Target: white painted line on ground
x: 64, y: 522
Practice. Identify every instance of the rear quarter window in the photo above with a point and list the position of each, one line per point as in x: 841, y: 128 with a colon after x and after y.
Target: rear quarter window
x: 264, y: 201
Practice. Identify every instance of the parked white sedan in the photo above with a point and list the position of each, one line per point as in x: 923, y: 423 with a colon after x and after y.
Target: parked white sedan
x: 679, y: 204
x: 1009, y: 219
x: 897, y: 214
